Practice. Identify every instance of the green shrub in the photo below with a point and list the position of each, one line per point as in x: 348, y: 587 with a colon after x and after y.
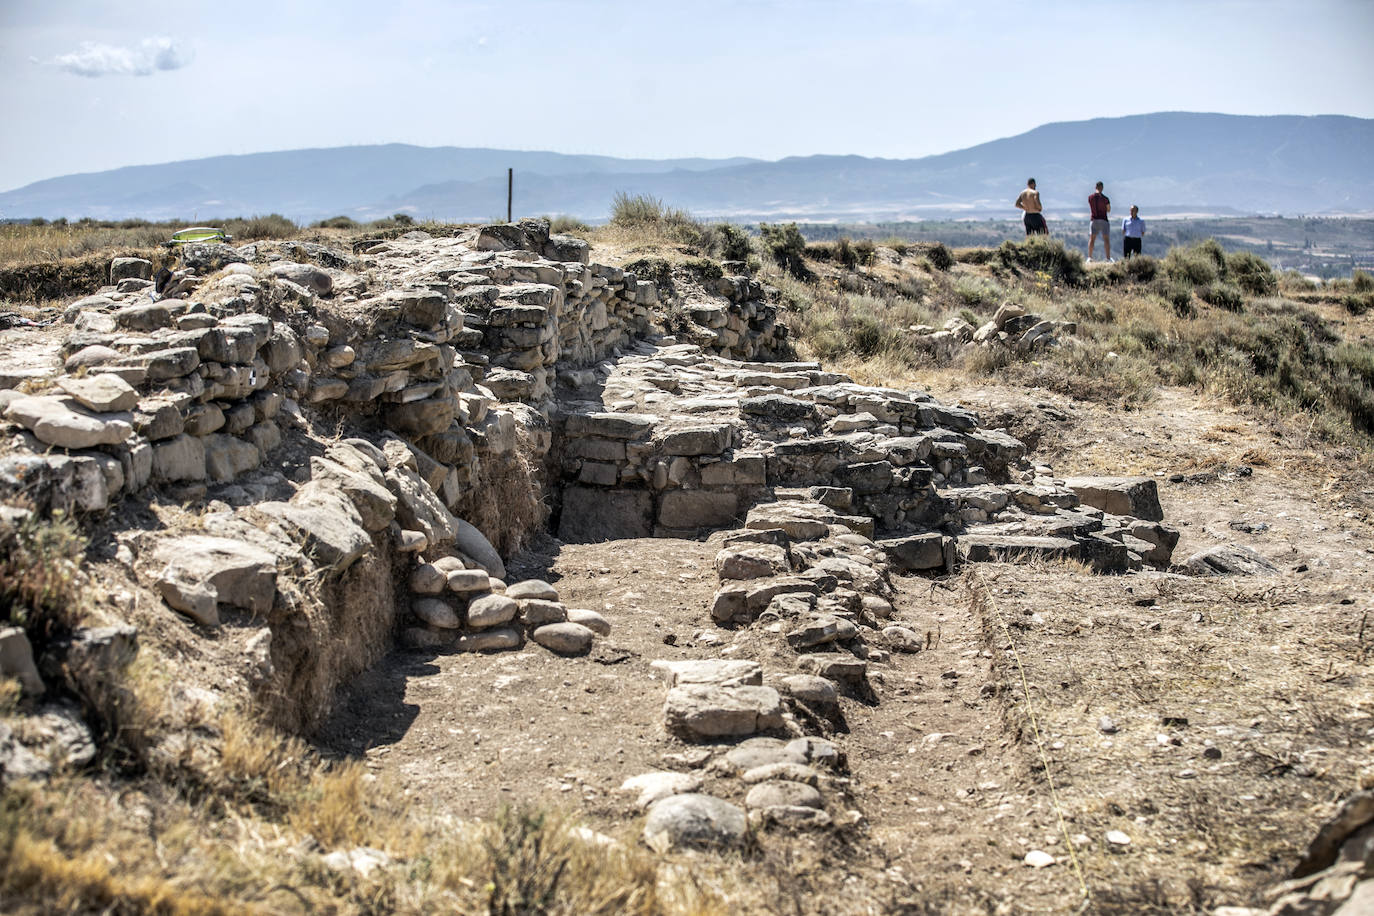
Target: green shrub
x: 898, y: 245
x: 976, y: 291
x: 639, y: 210
x: 1199, y: 265
x: 734, y: 242
x: 1357, y: 304
x: 1222, y: 295
x: 1141, y: 269
x: 1294, y: 281
x: 704, y: 268
x: 337, y: 222
x: 785, y: 244
x: 1042, y: 254
x: 942, y: 259
x: 864, y: 251
x: 643, y: 212
x: 271, y: 226
x: 1251, y: 273
x: 656, y: 269
x: 970, y: 256
x: 1361, y: 281
x: 567, y: 225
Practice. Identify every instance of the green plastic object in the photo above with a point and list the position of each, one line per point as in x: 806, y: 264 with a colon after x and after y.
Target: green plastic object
x: 198, y: 234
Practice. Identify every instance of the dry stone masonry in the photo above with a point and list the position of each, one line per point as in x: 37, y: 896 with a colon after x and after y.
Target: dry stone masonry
x: 384, y: 424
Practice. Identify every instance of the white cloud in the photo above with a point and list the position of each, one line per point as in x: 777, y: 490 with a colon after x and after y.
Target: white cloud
x: 147, y: 57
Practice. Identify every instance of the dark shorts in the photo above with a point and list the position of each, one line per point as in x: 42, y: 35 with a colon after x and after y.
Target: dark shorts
x: 1130, y: 246
x: 1035, y: 224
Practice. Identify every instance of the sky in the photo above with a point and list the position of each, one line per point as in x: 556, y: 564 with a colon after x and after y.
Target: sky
x: 90, y: 85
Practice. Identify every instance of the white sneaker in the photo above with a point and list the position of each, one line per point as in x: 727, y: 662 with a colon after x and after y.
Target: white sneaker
x: 1088, y: 261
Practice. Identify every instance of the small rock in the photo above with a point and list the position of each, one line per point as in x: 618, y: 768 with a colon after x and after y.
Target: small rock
x: 536, y: 612
x: 1106, y: 726
x: 436, y: 613
x: 1117, y: 838
x: 491, y: 611
x: 591, y: 620
x: 659, y: 785
x: 564, y: 638
x: 532, y: 588
x: 694, y: 821
x: 778, y: 793
x: 1038, y: 859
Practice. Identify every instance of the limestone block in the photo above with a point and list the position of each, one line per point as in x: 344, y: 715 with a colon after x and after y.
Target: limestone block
x: 328, y: 527
x: 721, y: 672
x: 593, y: 515
x: 752, y: 561
x: 1133, y: 496
x: 226, y: 457
x: 698, y: 508
x: 57, y: 421
x: 704, y: 711
x: 179, y: 458
x: 100, y: 393
x: 700, y: 440
x: 230, y: 571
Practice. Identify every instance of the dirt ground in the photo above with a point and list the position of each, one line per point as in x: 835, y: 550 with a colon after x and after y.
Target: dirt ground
x: 1240, y: 709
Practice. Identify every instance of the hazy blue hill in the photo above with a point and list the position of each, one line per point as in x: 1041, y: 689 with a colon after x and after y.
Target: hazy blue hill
x: 1201, y: 162
x: 1165, y: 162
x: 300, y: 183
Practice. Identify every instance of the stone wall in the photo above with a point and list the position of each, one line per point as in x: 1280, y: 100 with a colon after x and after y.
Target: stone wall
x: 345, y: 420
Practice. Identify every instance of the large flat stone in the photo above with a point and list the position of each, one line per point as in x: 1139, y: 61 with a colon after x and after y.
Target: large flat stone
x: 704, y: 712
x: 1134, y: 496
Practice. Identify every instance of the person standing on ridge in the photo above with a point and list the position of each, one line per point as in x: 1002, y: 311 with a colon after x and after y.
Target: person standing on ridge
x: 1132, y: 233
x: 1030, y: 202
x: 1100, y: 205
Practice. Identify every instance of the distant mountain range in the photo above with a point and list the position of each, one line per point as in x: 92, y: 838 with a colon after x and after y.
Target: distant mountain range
x: 1170, y: 163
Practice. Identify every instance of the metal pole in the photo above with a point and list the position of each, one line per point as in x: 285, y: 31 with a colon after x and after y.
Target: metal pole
x: 510, y: 191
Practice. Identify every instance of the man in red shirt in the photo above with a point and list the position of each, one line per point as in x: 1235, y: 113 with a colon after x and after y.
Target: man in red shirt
x: 1100, y: 205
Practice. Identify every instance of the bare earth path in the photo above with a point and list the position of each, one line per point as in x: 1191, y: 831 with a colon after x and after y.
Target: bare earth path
x: 1239, y: 709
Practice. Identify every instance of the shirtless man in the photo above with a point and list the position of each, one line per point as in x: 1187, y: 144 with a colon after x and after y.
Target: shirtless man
x: 1100, y: 205
x: 1029, y: 201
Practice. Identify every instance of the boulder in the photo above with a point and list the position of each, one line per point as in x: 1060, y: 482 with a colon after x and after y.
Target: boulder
x: 707, y: 712
x: 328, y: 527
x: 532, y: 588
x: 752, y: 561
x: 198, y: 572
x: 775, y: 793
x: 694, y: 821
x: 496, y: 639
x: 1134, y: 496
x: 564, y: 638
x: 655, y: 786
x: 591, y: 620
x: 16, y: 661
x: 475, y: 544
x: 436, y: 613
x: 489, y: 611
x: 101, y: 393
x: 722, y: 672
x: 56, y: 421
x: 1230, y: 560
